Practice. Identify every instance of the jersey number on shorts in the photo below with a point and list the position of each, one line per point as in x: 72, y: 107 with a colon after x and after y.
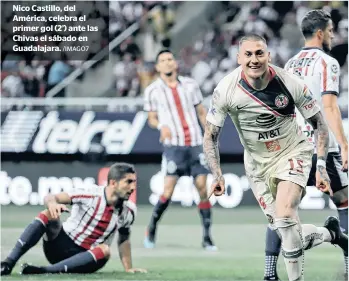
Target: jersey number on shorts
x: 296, y: 166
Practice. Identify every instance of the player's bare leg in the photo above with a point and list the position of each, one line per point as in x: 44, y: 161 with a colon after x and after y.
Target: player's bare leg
x: 295, y: 237
x: 28, y: 239
x: 205, y: 212
x: 85, y: 262
x: 159, y: 209
x: 287, y: 224
x: 273, y: 241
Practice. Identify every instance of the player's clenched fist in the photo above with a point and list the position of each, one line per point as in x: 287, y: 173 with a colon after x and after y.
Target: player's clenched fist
x: 323, y: 182
x: 217, y: 187
x: 56, y: 209
x: 134, y: 270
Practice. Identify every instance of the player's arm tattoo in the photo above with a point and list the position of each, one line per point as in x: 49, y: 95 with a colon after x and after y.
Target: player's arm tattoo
x: 322, y: 134
x: 211, y: 149
x: 322, y: 141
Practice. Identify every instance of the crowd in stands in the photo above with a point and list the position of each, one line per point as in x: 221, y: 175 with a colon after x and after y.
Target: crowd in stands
x: 210, y: 56
x: 30, y: 75
x: 213, y: 55
x: 135, y: 68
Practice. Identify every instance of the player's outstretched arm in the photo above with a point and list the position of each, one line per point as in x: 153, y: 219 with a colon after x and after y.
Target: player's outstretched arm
x: 322, y: 141
x: 153, y: 120
x: 202, y: 113
x: 124, y: 246
x: 334, y: 120
x: 211, y: 149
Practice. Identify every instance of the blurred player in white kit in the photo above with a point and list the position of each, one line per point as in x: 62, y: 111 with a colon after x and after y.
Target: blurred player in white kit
x: 261, y: 100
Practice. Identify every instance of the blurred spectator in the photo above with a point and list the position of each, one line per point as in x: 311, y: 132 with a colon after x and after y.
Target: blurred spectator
x: 126, y: 77
x: 12, y: 85
x: 161, y: 18
x: 135, y: 70
x: 58, y: 71
x: 213, y: 54
x: 30, y: 81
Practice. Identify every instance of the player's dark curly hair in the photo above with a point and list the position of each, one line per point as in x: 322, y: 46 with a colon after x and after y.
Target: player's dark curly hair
x: 118, y: 171
x: 313, y: 21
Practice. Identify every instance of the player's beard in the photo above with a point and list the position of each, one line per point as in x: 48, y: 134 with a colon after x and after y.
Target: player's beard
x: 118, y: 203
x: 326, y: 47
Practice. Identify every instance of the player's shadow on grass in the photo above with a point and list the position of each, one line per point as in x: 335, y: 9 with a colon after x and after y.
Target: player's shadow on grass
x: 103, y: 275
x: 181, y: 246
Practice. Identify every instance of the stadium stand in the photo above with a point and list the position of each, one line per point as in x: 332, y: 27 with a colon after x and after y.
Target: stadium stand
x: 209, y: 56
x: 29, y: 76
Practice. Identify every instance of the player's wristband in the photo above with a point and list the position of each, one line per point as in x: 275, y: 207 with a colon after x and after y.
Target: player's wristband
x: 159, y: 126
x: 321, y: 163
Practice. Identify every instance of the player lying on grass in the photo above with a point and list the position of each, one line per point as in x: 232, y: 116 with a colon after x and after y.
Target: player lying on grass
x: 81, y: 244
x: 261, y: 100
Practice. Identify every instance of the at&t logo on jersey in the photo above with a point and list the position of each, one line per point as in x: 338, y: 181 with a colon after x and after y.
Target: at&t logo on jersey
x: 281, y: 101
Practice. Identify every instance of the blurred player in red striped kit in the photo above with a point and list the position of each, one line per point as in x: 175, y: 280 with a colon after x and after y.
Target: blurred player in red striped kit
x: 320, y: 72
x: 174, y: 106
x: 81, y: 244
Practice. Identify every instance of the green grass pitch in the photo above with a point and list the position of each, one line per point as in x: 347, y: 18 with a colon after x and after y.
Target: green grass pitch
x: 239, y: 233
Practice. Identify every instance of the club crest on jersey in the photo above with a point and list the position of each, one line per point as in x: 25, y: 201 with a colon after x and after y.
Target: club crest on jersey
x: 281, y: 101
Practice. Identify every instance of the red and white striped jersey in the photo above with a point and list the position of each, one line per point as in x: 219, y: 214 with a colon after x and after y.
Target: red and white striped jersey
x: 320, y: 73
x: 92, y: 222
x: 176, y: 109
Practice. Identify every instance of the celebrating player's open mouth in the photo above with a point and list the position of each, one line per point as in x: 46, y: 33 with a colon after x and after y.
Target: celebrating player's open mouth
x: 255, y: 67
x: 256, y: 71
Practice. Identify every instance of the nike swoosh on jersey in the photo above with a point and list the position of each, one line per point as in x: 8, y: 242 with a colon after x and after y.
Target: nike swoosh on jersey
x: 241, y: 107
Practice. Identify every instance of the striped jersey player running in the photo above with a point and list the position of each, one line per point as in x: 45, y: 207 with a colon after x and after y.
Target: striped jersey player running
x: 174, y: 106
x: 261, y: 99
x: 81, y: 244
x: 320, y: 72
